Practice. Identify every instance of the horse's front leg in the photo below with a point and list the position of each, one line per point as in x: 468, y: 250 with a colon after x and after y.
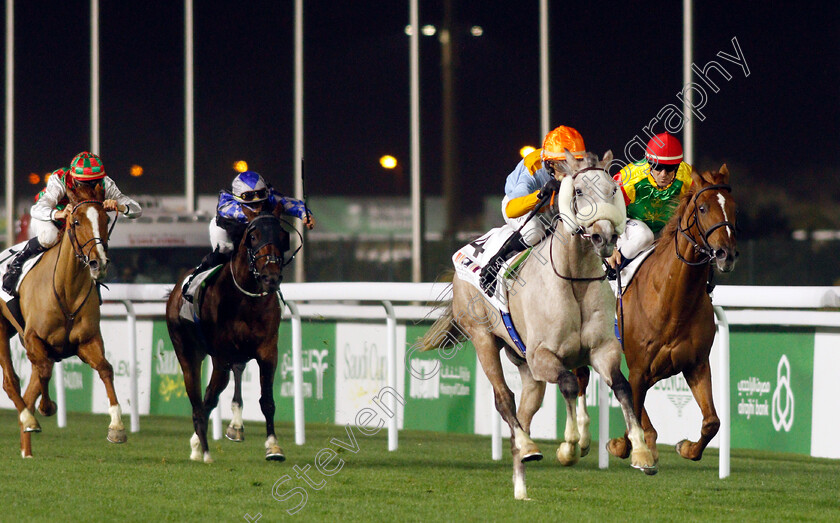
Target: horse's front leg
x: 582, y: 374
x: 236, y: 430
x: 92, y: 352
x: 268, y: 364
x: 700, y: 381
x: 568, y: 453
x: 607, y: 362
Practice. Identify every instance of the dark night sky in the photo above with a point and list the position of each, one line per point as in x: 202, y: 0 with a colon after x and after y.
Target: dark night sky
x: 614, y: 65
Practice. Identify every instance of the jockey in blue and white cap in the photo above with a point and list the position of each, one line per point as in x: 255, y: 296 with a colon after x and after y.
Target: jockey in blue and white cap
x: 248, y: 189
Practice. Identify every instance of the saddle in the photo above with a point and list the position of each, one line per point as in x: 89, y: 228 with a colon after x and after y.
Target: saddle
x: 189, y: 308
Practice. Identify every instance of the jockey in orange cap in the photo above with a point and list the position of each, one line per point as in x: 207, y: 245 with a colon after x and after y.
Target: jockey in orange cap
x: 652, y: 190
x: 51, y: 208
x: 534, y: 177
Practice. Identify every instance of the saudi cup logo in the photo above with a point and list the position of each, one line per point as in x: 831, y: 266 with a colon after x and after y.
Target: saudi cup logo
x: 783, y: 416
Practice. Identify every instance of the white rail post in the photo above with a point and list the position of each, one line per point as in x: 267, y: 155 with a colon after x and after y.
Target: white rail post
x: 391, y: 327
x: 723, y: 391
x: 603, y: 423
x: 132, y: 365
x: 297, y: 373
x: 60, y: 398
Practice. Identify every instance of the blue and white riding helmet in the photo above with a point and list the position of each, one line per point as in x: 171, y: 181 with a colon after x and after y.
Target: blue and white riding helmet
x: 249, y: 187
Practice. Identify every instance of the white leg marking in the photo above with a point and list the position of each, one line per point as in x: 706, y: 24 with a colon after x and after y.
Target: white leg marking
x: 116, y: 417
x: 195, y: 446
x: 721, y: 201
x: 519, y: 491
x: 236, y: 421
x: 270, y: 441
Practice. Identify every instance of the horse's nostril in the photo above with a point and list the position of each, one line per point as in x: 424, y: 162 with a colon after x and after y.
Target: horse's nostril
x: 720, y: 254
x: 614, y: 238
x: 597, y: 239
x: 94, y: 264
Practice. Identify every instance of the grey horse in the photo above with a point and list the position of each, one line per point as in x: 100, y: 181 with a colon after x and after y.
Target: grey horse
x: 562, y: 308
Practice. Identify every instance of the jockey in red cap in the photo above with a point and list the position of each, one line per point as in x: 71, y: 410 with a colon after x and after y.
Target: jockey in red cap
x: 652, y: 190
x: 51, y: 207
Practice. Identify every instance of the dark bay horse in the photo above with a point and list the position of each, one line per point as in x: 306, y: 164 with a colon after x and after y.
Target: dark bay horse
x: 669, y: 323
x: 239, y: 320
x: 563, y: 310
x: 60, y: 308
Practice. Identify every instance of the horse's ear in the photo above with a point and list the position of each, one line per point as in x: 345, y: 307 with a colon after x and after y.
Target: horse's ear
x: 697, y: 178
x: 724, y: 173
x: 100, y: 192
x: 608, y: 157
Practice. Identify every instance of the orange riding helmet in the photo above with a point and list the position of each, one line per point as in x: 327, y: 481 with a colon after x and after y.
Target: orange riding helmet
x: 561, y: 138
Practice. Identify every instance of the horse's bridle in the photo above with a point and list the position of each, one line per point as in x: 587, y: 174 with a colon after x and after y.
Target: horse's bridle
x: 252, y: 251
x: 79, y: 249
x: 705, y: 250
x: 579, y: 231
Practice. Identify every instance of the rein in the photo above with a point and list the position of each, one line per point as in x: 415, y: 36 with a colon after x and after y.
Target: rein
x: 253, y: 257
x: 705, y: 250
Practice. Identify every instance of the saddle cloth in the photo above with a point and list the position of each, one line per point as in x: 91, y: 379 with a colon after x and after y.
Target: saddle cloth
x: 189, y: 310
x: 6, y: 258
x: 629, y: 271
x: 471, y: 258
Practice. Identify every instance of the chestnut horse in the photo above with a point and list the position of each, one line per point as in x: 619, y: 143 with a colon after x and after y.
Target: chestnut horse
x: 668, y: 320
x: 562, y: 309
x: 60, y: 308
x: 239, y: 320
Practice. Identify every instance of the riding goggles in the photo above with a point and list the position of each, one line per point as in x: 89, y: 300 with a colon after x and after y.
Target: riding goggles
x: 662, y: 167
x: 253, y: 196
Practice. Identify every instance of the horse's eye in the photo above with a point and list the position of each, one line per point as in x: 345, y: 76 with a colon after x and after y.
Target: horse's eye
x: 76, y: 223
x: 578, y: 192
x: 703, y: 209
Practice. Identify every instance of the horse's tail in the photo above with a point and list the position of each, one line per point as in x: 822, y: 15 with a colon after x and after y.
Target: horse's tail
x: 444, y: 331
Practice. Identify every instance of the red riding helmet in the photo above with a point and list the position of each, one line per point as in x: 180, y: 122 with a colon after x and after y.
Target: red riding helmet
x: 664, y: 149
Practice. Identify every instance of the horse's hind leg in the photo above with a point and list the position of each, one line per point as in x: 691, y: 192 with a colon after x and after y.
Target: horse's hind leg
x: 92, y: 352
x: 39, y: 385
x: 11, y: 384
x: 582, y: 374
x: 700, y: 381
x: 236, y: 429
x: 273, y: 452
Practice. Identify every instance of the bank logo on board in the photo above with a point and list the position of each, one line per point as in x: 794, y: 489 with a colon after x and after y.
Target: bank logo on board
x: 783, y: 397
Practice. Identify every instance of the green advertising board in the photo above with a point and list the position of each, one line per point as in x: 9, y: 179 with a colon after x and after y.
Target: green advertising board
x: 771, y: 389
x: 168, y: 396
x: 440, y: 392
x: 318, y: 341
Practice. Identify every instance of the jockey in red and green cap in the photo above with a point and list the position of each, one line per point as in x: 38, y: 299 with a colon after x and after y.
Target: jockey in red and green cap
x: 652, y: 190
x: 50, y: 209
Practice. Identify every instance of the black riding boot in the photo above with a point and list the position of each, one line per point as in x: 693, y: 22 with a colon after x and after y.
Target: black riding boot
x: 487, y: 277
x: 212, y: 259
x: 10, y: 279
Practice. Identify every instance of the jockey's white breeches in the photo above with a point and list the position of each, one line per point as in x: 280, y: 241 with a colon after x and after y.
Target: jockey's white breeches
x: 219, y: 238
x: 46, y: 232
x: 534, y: 230
x: 636, y: 238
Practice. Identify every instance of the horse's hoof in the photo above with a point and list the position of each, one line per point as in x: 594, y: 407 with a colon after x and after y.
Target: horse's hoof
x: 24, y: 455
x: 235, y: 433
x: 584, y: 450
x: 36, y: 428
x: 618, y: 448
x: 568, y: 454
x: 680, y: 445
x: 535, y: 455
x: 117, y: 435
x: 47, y: 408
x: 207, y: 458
x: 274, y: 453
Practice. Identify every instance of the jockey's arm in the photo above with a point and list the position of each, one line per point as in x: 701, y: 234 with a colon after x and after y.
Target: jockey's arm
x: 44, y: 208
x: 294, y: 207
x: 124, y: 204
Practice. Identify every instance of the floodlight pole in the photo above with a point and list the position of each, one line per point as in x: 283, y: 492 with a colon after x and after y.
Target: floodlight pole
x: 189, y: 114
x: 688, y: 99
x: 10, y: 119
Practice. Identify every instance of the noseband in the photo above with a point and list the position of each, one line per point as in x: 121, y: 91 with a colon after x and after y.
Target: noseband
x: 704, y: 250
x: 269, y: 236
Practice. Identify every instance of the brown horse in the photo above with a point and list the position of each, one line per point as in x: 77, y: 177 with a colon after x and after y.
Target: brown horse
x: 668, y: 320
x: 60, y: 308
x: 239, y: 320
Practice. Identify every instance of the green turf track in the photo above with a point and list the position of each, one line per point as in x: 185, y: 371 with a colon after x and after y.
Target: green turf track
x: 77, y: 475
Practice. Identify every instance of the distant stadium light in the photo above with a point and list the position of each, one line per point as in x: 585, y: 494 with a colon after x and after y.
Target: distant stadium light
x: 136, y: 170
x: 34, y: 179
x: 241, y: 166
x: 525, y: 151
x: 388, y: 162
x: 476, y: 30
x: 428, y: 30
